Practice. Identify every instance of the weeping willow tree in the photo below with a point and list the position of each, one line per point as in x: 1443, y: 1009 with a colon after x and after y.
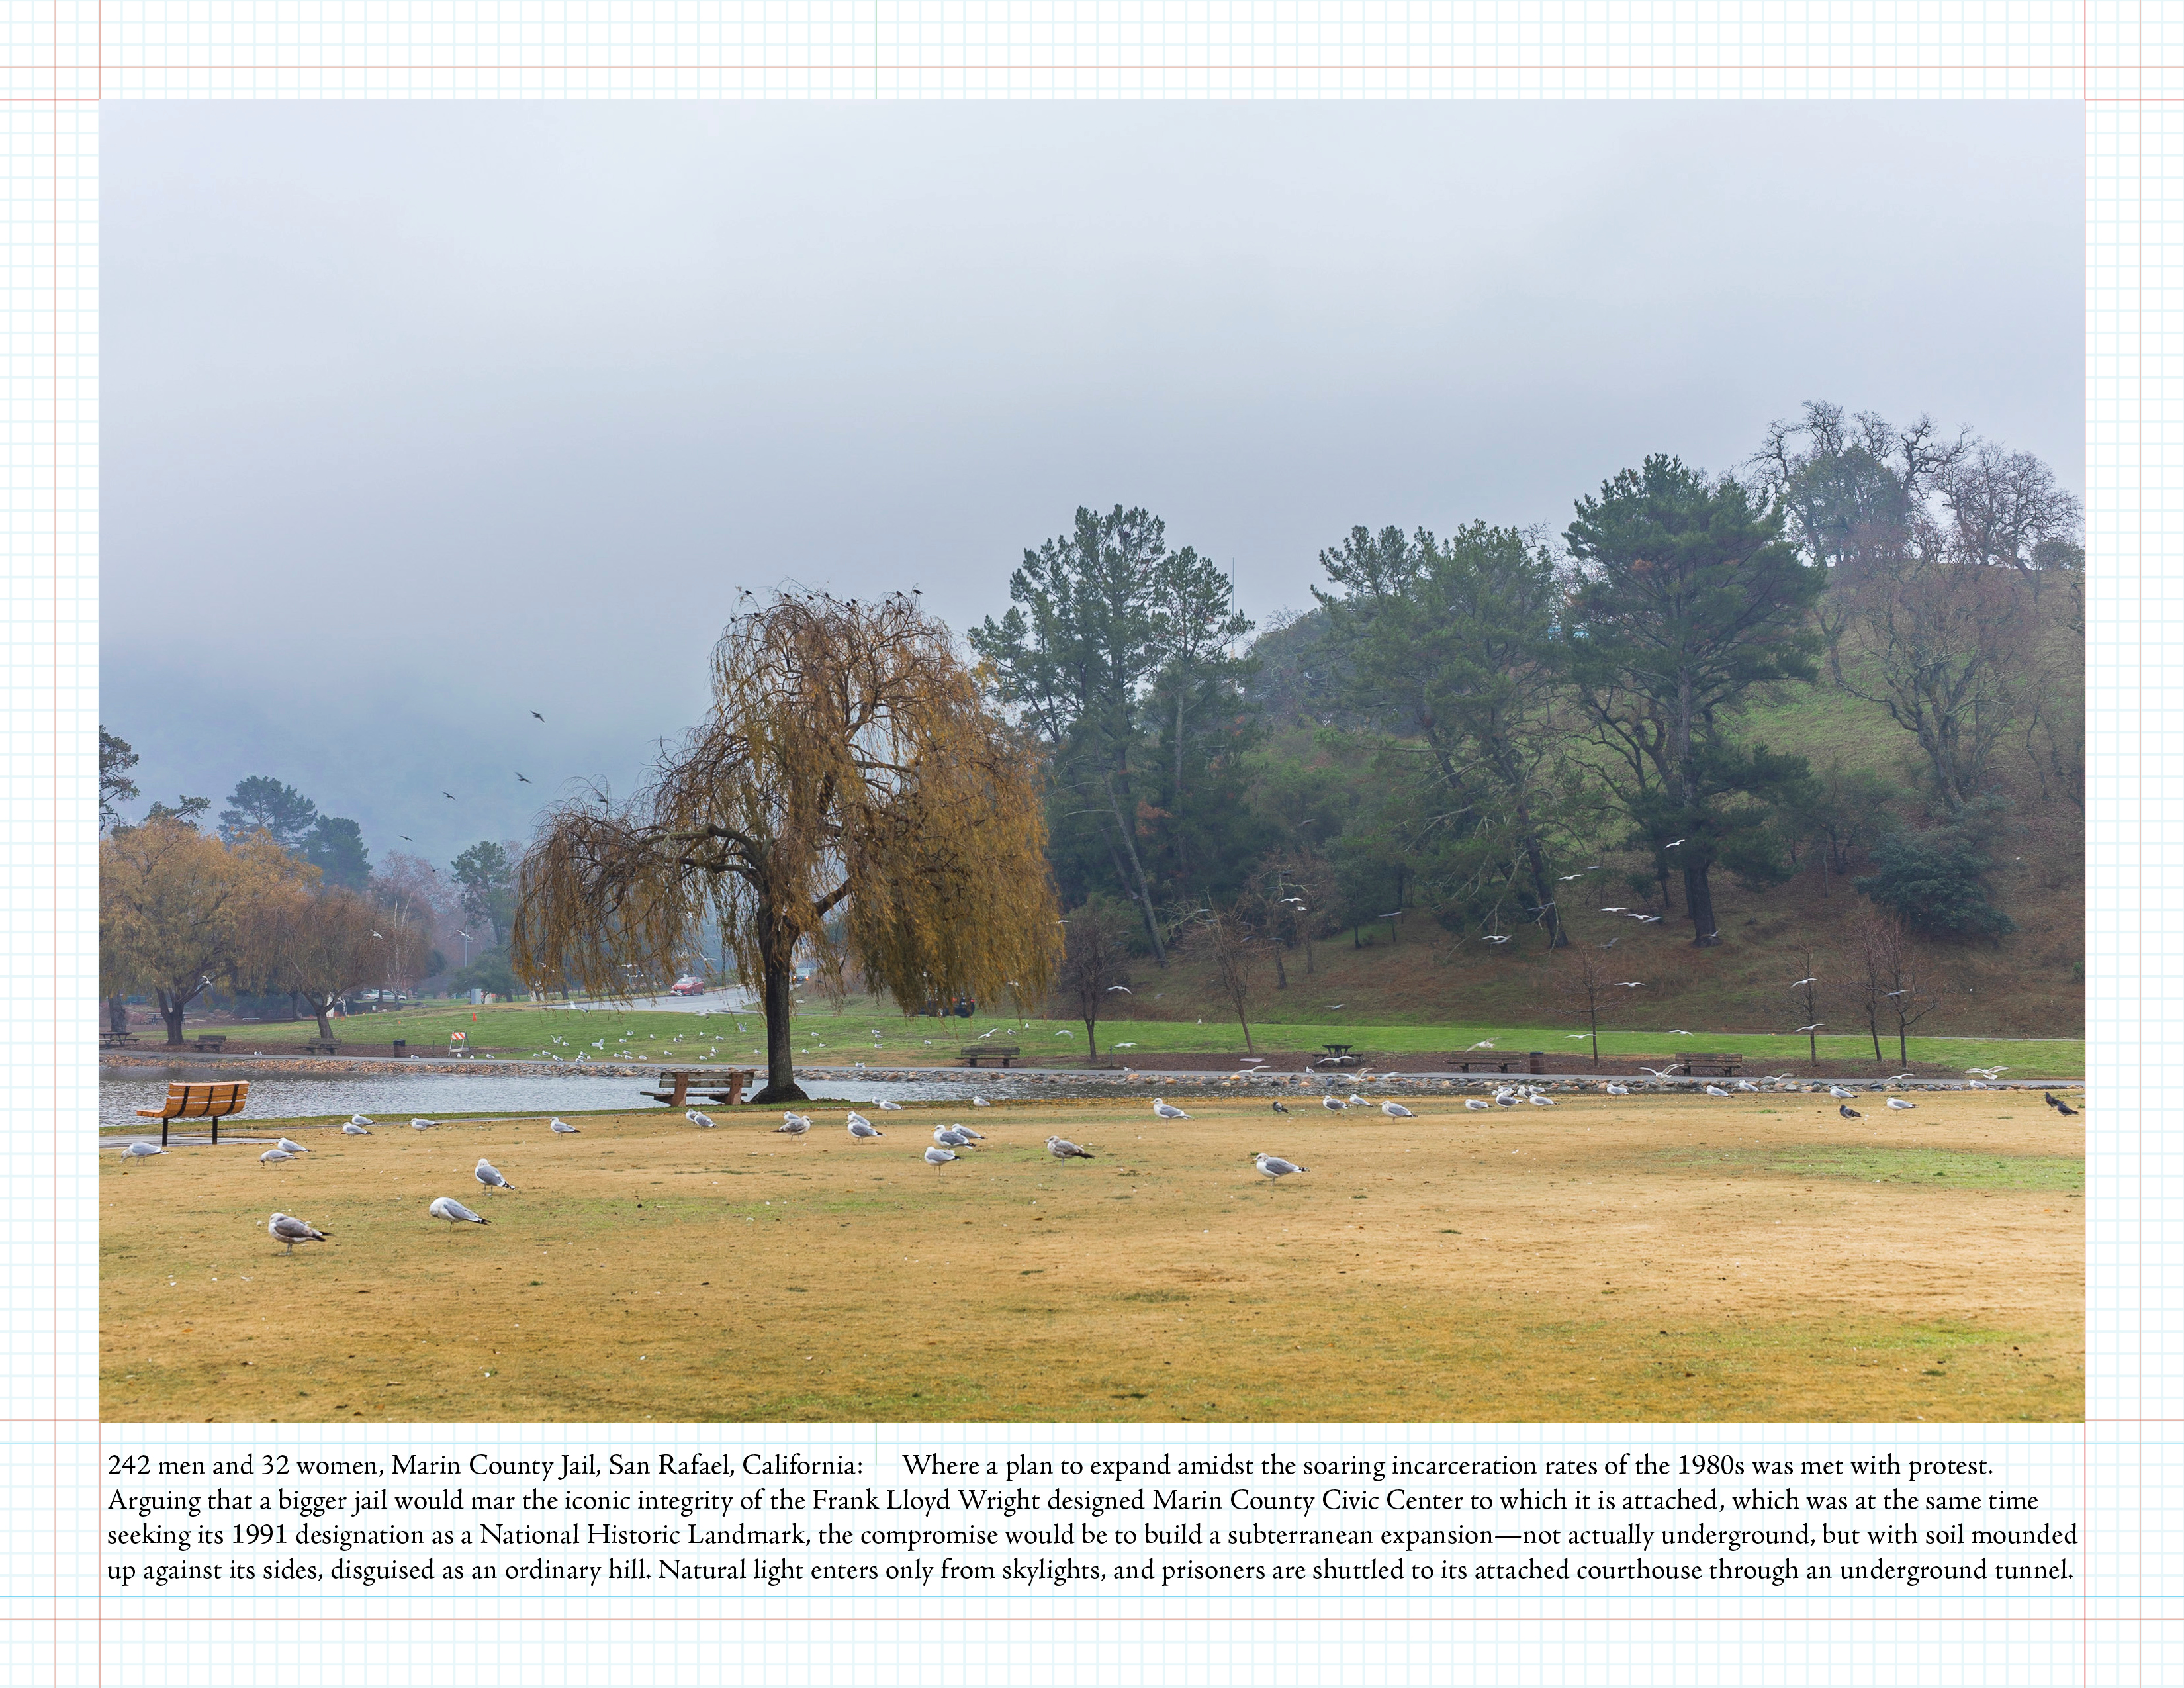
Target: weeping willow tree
x: 849, y: 796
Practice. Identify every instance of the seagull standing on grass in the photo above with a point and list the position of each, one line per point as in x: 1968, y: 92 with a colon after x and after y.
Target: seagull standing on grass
x: 283, y: 1229
x: 139, y: 1152
x: 1397, y: 1110
x: 1277, y: 1168
x: 938, y: 1157
x: 1333, y: 1103
x: 949, y: 1138
x: 1477, y: 1104
x: 274, y: 1158
x: 888, y: 1107
x: 1063, y: 1150
x: 448, y: 1208
x: 793, y: 1125
x: 362, y: 1119
x: 861, y: 1128
x: 489, y: 1175
x: 292, y: 1146
x: 352, y: 1130
x: 422, y: 1124
x: 1619, y: 1090
x: 697, y: 1118
x: 1162, y: 1111
x: 980, y: 1102
x: 1715, y: 1090
x: 1898, y: 1102
x: 561, y: 1128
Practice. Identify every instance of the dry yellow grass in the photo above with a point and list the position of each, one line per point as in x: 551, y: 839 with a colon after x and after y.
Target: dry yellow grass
x: 1633, y: 1259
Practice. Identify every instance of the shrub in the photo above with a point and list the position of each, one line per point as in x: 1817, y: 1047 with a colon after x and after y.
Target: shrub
x: 1935, y: 883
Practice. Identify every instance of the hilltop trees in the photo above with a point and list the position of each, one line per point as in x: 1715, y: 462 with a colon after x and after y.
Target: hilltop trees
x: 1687, y: 600
x: 849, y: 792
x: 1114, y: 649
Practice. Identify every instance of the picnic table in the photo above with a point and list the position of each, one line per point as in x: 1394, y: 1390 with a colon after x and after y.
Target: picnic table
x: 1004, y: 1053
x: 116, y: 1039
x: 723, y: 1084
x: 214, y: 1102
x: 1337, y: 1055
x: 322, y: 1046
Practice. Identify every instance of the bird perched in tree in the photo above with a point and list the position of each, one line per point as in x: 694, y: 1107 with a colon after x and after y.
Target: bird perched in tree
x: 1849, y: 1112
x: 448, y: 1208
x: 283, y: 1229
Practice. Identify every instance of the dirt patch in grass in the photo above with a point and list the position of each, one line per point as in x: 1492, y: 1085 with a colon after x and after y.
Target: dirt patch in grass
x: 1639, y: 1258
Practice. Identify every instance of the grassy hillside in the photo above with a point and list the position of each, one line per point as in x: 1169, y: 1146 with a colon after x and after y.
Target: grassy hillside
x: 2029, y: 983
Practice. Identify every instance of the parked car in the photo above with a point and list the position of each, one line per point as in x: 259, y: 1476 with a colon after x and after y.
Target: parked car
x: 688, y: 985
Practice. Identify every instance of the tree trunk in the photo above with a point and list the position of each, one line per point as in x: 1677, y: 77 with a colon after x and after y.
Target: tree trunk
x: 1541, y: 880
x: 323, y: 1013
x: 1698, y: 898
x: 117, y: 1015
x: 1903, y: 1045
x: 1281, y: 973
x: 171, y: 1008
x: 777, y: 990
x: 1137, y: 867
x: 1092, y: 1038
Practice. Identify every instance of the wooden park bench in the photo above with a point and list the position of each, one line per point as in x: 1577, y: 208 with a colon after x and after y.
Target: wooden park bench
x: 116, y: 1039
x: 1499, y: 1063
x: 211, y: 1042
x: 1004, y: 1053
x: 214, y: 1102
x: 322, y: 1046
x: 1695, y: 1066
x: 721, y: 1084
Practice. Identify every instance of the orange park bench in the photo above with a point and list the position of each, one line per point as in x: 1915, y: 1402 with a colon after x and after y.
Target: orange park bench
x: 721, y: 1084
x: 214, y: 1102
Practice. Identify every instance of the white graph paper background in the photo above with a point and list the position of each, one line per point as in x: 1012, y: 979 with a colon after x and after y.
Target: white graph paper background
x: 61, y: 59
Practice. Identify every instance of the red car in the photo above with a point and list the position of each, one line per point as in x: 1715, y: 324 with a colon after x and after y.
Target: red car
x: 688, y: 986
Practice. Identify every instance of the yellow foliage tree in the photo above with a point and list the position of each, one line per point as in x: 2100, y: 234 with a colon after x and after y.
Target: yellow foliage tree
x: 849, y: 794
x: 178, y: 911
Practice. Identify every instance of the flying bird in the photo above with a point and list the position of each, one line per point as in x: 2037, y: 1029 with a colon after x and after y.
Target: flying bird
x: 489, y: 1174
x: 448, y: 1208
x: 1620, y: 908
x: 1674, y: 1031
x: 521, y: 779
x: 1672, y: 844
x: 535, y: 715
x: 1814, y: 1027
x: 1494, y: 938
x: 449, y: 795
x: 283, y: 1229
x: 1124, y: 989
x: 1794, y: 984
x: 1629, y: 985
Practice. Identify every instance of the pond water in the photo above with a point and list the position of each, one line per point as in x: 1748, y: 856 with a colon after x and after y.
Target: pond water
x: 397, y: 1095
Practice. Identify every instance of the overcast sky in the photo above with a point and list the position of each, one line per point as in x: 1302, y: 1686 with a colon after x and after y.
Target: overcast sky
x: 416, y: 418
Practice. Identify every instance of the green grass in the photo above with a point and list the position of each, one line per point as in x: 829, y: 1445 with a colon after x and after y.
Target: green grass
x: 822, y: 1036
x: 1963, y: 1168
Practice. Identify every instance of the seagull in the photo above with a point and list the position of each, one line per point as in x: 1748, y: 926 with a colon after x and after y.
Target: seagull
x: 376, y: 935
x: 893, y: 1107
x: 1277, y: 1168
x: 1620, y: 908
x: 1847, y: 1111
x: 859, y: 1126
x: 352, y: 1130
x: 1814, y: 1027
x: 1715, y: 1090
x: 450, y: 796
x: 1477, y: 1105
x: 1279, y: 1108
x: 489, y: 1175
x: 1746, y: 1084
x: 1674, y: 1031
x: 1629, y: 985
x: 697, y: 1118
x: 1672, y: 844
x: 974, y: 1136
x: 1333, y: 1103
x: 949, y: 1138
x: 794, y: 1125
x: 1661, y: 1071
x: 1397, y: 1110
x: 1486, y: 1043
x: 1840, y: 1094
x: 1814, y: 979
x: 1063, y: 1150
x: 292, y: 1146
x: 980, y: 1102
x: 561, y: 1127
x: 1539, y: 1100
x: 1564, y: 878
x: 1898, y: 1102
x: 1124, y: 989
x: 1646, y: 919
x: 422, y: 1124
x: 937, y: 1158
x: 1161, y: 1110
x: 520, y: 776
x: 140, y: 1151
x: 274, y: 1158
x: 283, y: 1229
x: 1497, y: 938
x: 361, y: 1119
x: 448, y: 1208
x: 1619, y: 1090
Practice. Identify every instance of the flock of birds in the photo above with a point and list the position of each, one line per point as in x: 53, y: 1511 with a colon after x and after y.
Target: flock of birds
x: 950, y: 1140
